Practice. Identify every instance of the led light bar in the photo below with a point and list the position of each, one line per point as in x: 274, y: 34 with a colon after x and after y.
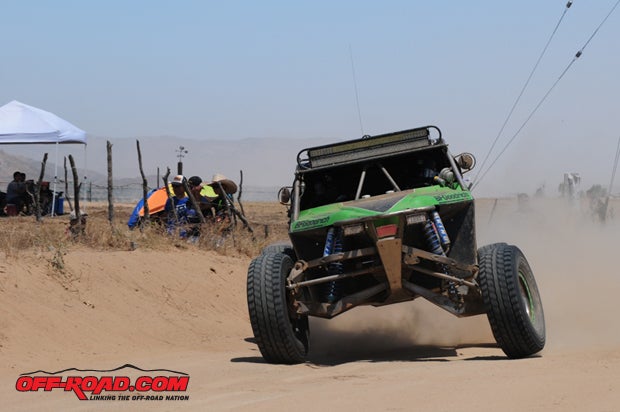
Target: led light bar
x: 370, y: 147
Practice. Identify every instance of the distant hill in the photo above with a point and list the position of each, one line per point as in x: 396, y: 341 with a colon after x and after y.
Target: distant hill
x: 11, y: 163
x: 267, y: 163
x: 31, y: 166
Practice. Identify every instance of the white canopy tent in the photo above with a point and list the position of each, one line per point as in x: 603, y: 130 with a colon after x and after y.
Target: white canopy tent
x: 23, y: 124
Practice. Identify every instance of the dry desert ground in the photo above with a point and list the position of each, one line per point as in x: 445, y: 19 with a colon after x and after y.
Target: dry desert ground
x: 182, y: 307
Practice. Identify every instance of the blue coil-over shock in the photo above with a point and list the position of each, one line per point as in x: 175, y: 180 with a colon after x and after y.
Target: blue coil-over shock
x: 432, y: 238
x: 441, y: 231
x: 333, y: 244
x: 438, y: 243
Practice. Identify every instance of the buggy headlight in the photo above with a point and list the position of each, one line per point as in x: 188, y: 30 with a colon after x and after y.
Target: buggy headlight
x: 414, y: 218
x: 355, y: 229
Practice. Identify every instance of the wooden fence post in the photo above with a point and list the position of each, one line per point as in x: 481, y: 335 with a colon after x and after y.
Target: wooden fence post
x: 110, y: 184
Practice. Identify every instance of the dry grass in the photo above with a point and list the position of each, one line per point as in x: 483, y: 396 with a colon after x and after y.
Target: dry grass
x: 268, y: 221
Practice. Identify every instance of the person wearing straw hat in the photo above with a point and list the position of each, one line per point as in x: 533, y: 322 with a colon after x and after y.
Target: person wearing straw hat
x: 221, y: 182
x: 224, y: 188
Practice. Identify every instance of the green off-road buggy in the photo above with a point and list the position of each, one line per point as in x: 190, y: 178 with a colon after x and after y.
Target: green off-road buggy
x: 381, y: 220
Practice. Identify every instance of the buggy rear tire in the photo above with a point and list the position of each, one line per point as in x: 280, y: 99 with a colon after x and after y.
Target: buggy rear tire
x: 281, y: 335
x: 512, y: 300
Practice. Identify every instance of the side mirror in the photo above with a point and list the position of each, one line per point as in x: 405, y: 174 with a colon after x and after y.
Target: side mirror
x: 284, y: 195
x: 466, y: 161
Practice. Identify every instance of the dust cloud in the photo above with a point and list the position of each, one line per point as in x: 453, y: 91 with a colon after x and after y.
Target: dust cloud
x: 572, y: 254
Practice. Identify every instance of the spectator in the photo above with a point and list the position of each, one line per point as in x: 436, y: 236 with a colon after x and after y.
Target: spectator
x: 194, y: 182
x: 202, y: 193
x: 16, y: 192
x: 179, y: 203
x: 224, y: 189
x: 46, y: 198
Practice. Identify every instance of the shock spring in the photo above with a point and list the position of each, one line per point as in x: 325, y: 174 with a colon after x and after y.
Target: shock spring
x: 333, y: 245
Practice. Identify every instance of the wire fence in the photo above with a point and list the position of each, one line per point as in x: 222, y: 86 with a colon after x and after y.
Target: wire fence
x: 132, y: 192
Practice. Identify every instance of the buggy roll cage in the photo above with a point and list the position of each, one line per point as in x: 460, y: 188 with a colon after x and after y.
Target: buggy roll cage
x: 368, y: 149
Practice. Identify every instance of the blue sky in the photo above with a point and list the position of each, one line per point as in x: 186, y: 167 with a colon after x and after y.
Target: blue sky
x: 243, y: 69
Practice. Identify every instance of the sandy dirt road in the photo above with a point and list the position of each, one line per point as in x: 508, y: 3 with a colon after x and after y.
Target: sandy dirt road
x: 184, y: 310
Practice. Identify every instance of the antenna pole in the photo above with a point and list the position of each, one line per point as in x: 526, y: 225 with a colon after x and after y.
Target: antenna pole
x: 357, y: 99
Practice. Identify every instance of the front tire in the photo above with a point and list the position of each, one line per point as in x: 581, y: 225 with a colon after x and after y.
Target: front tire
x: 281, y: 247
x: 281, y: 335
x: 512, y: 300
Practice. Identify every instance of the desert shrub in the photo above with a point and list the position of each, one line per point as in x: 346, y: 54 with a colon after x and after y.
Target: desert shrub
x: 53, y: 233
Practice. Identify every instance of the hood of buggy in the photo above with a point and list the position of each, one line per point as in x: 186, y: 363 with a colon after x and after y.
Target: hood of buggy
x: 377, y: 206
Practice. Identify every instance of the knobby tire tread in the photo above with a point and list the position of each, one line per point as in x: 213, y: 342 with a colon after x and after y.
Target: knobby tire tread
x: 268, y: 309
x: 499, y: 282
x: 280, y: 247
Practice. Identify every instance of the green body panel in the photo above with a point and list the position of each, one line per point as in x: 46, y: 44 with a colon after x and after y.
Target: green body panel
x: 325, y: 216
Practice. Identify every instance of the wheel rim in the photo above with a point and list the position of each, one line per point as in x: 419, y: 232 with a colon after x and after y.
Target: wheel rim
x: 298, y: 324
x: 526, y: 297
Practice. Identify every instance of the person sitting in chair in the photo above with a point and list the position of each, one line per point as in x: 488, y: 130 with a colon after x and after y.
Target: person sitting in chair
x: 16, y: 192
x: 46, y: 198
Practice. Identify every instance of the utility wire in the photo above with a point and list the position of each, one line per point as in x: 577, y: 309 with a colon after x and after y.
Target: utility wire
x: 577, y: 55
x: 526, y: 121
x: 599, y: 26
x: 527, y: 82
